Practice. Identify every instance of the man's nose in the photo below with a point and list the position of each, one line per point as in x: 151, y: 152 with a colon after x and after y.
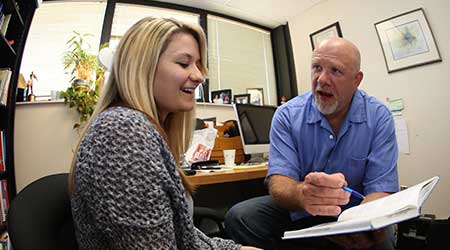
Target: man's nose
x: 323, y: 77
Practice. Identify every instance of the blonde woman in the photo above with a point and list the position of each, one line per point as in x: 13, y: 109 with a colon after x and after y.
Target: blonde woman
x: 127, y: 191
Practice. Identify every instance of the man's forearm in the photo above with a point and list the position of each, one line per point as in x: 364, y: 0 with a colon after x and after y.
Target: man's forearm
x: 286, y: 192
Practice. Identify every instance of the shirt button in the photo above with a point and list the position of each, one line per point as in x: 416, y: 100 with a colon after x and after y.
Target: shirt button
x: 331, y: 137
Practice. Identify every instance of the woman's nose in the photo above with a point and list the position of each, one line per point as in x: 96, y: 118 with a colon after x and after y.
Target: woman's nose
x: 197, y: 76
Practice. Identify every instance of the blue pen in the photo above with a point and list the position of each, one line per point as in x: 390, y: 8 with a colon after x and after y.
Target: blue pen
x: 353, y: 192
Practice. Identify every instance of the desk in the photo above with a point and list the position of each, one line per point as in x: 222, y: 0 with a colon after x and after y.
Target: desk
x: 223, y: 189
x: 228, y: 176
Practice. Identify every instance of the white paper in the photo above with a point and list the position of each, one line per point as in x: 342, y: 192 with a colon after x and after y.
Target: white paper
x: 201, y: 145
x: 401, y: 132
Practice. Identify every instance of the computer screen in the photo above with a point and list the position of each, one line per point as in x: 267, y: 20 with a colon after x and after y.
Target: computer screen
x: 254, y: 126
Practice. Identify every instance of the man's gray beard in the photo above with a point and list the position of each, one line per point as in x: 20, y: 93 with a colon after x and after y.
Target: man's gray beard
x: 325, y: 109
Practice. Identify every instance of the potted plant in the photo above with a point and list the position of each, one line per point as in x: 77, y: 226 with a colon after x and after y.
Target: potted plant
x: 87, y: 77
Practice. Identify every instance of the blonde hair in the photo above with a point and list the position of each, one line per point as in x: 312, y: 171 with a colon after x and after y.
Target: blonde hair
x: 131, y: 82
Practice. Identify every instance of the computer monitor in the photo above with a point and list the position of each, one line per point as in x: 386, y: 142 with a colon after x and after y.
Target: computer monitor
x: 254, y: 124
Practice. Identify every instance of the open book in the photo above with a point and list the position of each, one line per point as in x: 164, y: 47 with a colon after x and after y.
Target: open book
x: 376, y: 214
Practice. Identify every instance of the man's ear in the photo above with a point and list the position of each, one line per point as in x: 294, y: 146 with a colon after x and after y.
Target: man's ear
x: 358, y: 78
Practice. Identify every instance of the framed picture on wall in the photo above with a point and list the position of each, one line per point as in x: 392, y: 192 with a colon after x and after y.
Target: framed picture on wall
x: 256, y: 96
x: 407, y: 41
x: 332, y: 30
x: 241, y: 99
x: 221, y: 96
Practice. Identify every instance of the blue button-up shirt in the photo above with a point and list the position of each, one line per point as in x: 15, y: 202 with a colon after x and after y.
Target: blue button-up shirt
x: 365, y: 150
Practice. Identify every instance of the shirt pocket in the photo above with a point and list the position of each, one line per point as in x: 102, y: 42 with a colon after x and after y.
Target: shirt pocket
x: 355, y: 169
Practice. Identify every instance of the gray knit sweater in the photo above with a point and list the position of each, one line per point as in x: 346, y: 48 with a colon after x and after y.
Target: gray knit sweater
x: 128, y: 193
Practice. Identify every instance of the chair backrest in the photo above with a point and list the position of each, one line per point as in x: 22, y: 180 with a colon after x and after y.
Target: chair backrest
x: 40, y: 216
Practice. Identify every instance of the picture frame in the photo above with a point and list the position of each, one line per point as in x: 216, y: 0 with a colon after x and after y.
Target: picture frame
x: 211, y: 121
x: 256, y: 96
x: 407, y: 41
x: 241, y: 99
x: 332, y: 30
x: 222, y: 96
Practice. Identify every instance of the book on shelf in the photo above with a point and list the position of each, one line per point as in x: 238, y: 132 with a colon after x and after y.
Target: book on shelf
x: 2, y: 152
x: 5, y: 188
x: 2, y: 15
x: 376, y: 214
x: 5, y: 77
x: 5, y: 198
x: 2, y: 18
x: 4, y: 202
x: 5, y: 23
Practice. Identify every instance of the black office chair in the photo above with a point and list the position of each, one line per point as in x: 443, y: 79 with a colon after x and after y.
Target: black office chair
x: 210, y: 221
x: 40, y: 216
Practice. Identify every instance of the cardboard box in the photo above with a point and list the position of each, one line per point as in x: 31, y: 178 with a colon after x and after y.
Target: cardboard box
x: 222, y: 143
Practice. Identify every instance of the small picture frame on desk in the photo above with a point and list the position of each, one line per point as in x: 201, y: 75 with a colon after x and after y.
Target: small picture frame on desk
x: 256, y: 96
x: 221, y: 96
x: 210, y: 121
x: 241, y: 99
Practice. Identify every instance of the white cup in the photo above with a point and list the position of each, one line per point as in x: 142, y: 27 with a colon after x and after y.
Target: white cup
x: 228, y: 155
x: 53, y: 95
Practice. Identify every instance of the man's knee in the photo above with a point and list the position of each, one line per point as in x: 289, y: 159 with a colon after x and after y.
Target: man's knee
x: 251, y: 222
x: 236, y: 215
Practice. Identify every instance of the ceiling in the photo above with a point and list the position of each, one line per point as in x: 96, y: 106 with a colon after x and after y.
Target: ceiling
x: 269, y: 13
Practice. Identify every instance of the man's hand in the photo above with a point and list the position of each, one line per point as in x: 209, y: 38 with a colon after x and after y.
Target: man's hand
x: 323, y: 193
x: 363, y: 240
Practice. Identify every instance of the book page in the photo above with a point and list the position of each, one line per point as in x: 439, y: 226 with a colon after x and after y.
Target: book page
x: 426, y: 190
x: 372, y: 215
x: 410, y: 197
x: 330, y: 228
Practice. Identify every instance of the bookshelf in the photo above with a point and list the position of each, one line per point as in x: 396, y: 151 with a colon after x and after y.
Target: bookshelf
x: 12, y: 43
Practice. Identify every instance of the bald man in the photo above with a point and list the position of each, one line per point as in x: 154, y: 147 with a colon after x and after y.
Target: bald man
x: 333, y: 135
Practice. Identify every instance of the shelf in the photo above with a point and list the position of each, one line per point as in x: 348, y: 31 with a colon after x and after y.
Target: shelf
x: 40, y: 102
x: 10, y: 56
x: 3, y: 117
x: 214, y: 104
x: 11, y: 8
x: 3, y: 227
x: 5, y: 47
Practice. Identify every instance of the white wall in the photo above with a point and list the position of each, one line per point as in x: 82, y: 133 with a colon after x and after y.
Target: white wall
x: 425, y: 89
x: 44, y: 138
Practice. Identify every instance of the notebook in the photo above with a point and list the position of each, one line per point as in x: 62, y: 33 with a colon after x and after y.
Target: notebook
x: 376, y: 214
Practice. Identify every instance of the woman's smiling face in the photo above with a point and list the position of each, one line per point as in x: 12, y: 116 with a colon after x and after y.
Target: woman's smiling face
x: 177, y: 75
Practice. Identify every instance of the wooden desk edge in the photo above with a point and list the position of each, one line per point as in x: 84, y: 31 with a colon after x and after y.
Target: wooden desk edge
x: 228, y: 176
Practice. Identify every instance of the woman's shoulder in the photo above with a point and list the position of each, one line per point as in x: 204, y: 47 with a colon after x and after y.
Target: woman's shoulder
x: 123, y: 120
x: 122, y: 116
x: 119, y: 113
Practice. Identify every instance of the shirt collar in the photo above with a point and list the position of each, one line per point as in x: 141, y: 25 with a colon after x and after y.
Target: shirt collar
x: 357, y: 112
